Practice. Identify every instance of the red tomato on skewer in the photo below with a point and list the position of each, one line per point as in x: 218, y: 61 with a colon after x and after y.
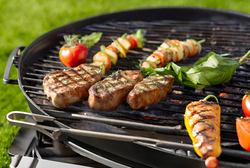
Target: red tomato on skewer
x: 132, y: 42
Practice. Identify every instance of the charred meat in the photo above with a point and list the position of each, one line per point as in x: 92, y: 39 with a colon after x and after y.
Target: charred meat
x: 202, y: 120
x: 108, y: 94
x: 67, y: 87
x: 151, y: 90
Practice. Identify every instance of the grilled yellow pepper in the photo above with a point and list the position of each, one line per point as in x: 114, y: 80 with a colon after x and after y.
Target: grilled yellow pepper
x: 202, y: 121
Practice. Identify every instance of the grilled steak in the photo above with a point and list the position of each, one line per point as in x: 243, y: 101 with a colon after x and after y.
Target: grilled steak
x: 202, y: 120
x: 67, y: 87
x: 109, y: 93
x: 151, y: 90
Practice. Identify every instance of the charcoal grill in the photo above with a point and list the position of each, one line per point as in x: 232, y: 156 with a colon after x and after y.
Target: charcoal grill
x: 156, y: 136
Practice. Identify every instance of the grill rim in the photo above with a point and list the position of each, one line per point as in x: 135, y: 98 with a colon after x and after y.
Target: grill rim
x: 39, y: 46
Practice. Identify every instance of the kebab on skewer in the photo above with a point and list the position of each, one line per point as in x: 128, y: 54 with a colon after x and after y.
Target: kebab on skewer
x: 118, y: 48
x: 172, y: 50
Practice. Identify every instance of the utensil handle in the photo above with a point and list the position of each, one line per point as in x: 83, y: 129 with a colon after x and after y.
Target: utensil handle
x: 14, y: 53
x: 39, y: 118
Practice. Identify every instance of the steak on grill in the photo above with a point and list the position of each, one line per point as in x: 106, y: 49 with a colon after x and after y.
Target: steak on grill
x: 67, y: 87
x: 151, y: 90
x: 108, y: 94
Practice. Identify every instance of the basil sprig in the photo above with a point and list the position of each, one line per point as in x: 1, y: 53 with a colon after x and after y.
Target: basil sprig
x: 90, y: 40
x: 214, y: 69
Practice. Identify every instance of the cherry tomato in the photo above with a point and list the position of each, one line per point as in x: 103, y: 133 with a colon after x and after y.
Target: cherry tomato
x: 243, y: 132
x: 74, y: 55
x: 246, y: 104
x: 212, y: 162
x: 132, y: 41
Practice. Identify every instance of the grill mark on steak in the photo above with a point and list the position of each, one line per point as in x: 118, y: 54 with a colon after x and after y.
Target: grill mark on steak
x: 151, y: 90
x: 108, y: 94
x: 102, y: 85
x: 71, y: 80
x: 67, y: 78
x: 115, y: 81
x: 67, y: 87
x: 149, y: 84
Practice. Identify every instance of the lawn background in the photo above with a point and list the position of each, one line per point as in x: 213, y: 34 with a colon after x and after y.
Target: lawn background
x: 22, y: 21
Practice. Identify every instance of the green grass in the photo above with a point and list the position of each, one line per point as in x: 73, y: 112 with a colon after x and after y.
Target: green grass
x: 22, y: 21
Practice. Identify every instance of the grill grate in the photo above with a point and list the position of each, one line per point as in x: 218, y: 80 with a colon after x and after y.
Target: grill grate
x: 221, y: 37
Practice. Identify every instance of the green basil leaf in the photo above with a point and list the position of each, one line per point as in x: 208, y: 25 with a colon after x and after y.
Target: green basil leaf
x: 90, y: 40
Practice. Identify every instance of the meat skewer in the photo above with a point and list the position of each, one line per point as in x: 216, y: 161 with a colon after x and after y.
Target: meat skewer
x: 202, y: 121
x: 108, y: 94
x: 151, y: 90
x: 67, y: 87
x: 172, y: 50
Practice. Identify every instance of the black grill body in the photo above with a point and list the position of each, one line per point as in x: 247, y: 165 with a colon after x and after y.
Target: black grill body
x: 224, y: 32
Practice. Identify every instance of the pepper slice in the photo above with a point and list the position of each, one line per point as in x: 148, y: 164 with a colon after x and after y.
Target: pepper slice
x: 243, y: 132
x: 202, y: 121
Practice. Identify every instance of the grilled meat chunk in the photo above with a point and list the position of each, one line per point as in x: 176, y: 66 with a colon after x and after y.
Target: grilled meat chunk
x: 67, y: 87
x: 109, y: 93
x: 151, y: 90
x: 202, y: 120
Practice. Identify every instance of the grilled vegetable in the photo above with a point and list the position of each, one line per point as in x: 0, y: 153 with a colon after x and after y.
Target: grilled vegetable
x: 67, y: 87
x: 202, y: 121
x: 246, y: 104
x: 243, y: 132
x: 173, y: 50
x: 110, y: 47
x: 133, y: 42
x: 213, y: 69
x: 151, y: 90
x: 125, y: 43
x: 129, y: 41
x: 102, y: 57
x: 75, y: 51
x: 108, y: 94
x: 111, y: 53
x: 120, y: 47
x: 138, y: 39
